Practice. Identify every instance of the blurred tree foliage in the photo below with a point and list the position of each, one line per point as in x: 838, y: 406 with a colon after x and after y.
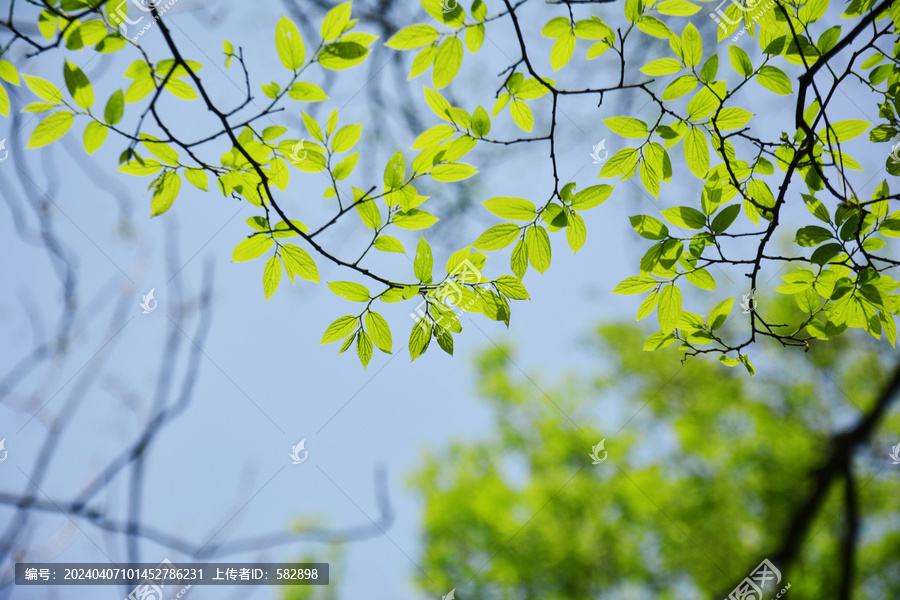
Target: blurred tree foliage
x: 705, y: 472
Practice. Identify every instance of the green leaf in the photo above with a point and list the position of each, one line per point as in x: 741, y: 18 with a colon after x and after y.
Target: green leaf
x: 414, y: 36
x: 339, y: 329
x: 592, y: 196
x: 733, y: 118
x: 637, y: 284
x: 50, y: 129
x: 345, y: 167
x: 522, y: 115
x: 78, y: 85
x: 160, y: 150
x: 518, y: 262
x: 843, y: 131
x: 479, y: 10
x: 740, y: 62
x: 576, y: 232
x: 453, y: 17
x: 481, y: 122
x: 796, y: 281
x: 678, y: 8
x: 706, y: 101
x: 307, y: 92
x: 748, y: 365
x: 180, y: 89
x: 271, y: 276
x: 627, y: 127
x: 654, y: 27
x: 423, y: 60
x: 298, y: 261
x: 517, y: 209
x: 696, y: 152
x: 346, y: 138
x: 451, y: 172
x: 4, y: 102
x: 252, y: 247
x: 512, y: 288
x: 8, y: 72
x: 342, y: 55
x: 166, y: 191
x: 719, y: 314
x: 336, y: 22
x: 498, y: 237
x: 812, y: 235
x: 679, y: 87
x: 369, y: 213
x: 147, y: 166
x: 647, y: 306
x: 475, y: 38
x: 447, y: 62
x: 691, y: 45
x: 658, y: 340
x: 538, y: 248
x: 648, y: 227
x: 289, y: 44
x: 725, y: 218
x: 386, y: 243
x: 423, y: 264
x: 379, y: 330
x: 349, y: 290
x: 94, y: 135
x: 633, y: 10
x: 562, y: 51
x: 43, y: 88
x: 364, y: 348
x: 395, y: 172
x: 115, y: 107
x: 556, y: 27
x: 419, y: 338
x: 414, y: 219
x: 669, y: 310
x: 198, y: 178
x: 685, y: 216
x: 312, y: 127
x: 621, y: 163
x: 661, y: 66
x: 702, y: 279
x: 774, y: 79
x: 444, y: 337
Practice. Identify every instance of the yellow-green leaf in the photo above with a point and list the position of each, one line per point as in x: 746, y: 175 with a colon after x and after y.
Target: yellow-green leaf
x: 94, y: 135
x: 271, y: 276
x: 289, y: 44
x: 50, y: 129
